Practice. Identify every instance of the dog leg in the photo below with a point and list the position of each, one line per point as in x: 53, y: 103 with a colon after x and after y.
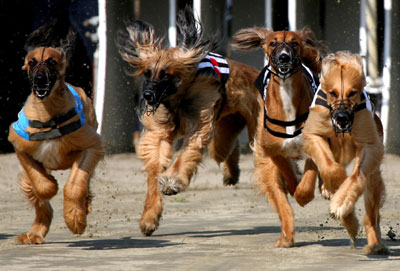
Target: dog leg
x: 155, y: 149
x: 373, y: 200
x: 43, y: 210
x: 332, y: 173
x: 270, y: 181
x: 77, y: 196
x: 305, y: 190
x: 44, y: 185
x: 350, y: 222
x: 225, y: 147
x: 288, y: 170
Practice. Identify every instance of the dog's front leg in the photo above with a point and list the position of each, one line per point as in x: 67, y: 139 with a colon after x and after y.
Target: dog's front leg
x: 305, y: 189
x: 77, y: 197
x: 39, y: 187
x: 332, y: 173
x: 155, y: 149
x: 177, y: 176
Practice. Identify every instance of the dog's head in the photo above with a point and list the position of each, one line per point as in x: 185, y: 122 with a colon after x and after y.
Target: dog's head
x: 45, y: 67
x: 285, y: 50
x: 166, y: 70
x: 343, y: 80
x: 48, y: 50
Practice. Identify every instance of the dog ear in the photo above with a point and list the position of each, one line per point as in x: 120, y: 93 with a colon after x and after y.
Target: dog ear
x: 250, y: 38
x: 137, y: 44
x: 313, y: 50
x: 190, y: 38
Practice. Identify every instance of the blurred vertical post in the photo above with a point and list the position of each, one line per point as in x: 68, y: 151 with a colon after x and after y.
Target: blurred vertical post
x: 393, y: 129
x: 172, y: 24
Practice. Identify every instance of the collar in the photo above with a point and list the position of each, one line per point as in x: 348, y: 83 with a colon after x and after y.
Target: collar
x: 23, y: 122
x: 261, y: 84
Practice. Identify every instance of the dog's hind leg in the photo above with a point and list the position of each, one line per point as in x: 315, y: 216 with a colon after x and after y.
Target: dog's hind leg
x: 270, y: 181
x: 155, y: 149
x: 77, y: 196
x: 373, y: 199
x: 43, y: 210
x: 225, y: 147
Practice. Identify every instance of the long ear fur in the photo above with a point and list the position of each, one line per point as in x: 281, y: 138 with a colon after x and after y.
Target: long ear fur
x: 313, y: 50
x: 250, y: 38
x: 137, y: 44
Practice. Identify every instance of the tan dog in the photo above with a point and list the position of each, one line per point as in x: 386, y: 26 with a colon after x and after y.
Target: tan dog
x: 342, y: 128
x: 56, y: 130
x: 187, y: 92
x: 287, y: 86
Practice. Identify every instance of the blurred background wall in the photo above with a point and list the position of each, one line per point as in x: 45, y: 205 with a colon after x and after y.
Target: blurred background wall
x: 368, y: 27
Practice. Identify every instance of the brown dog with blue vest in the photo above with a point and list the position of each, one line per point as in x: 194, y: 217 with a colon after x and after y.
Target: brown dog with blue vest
x: 55, y: 130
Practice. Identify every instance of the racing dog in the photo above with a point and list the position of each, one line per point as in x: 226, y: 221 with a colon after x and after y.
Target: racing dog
x: 55, y: 130
x: 189, y: 92
x: 287, y: 86
x: 342, y: 128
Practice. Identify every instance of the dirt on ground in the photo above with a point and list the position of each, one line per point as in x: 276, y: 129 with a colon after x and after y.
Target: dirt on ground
x: 207, y: 227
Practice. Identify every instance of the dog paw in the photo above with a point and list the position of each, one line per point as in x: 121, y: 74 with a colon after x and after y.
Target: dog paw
x: 325, y: 193
x: 303, y: 197
x: 376, y: 249
x: 148, y: 227
x: 30, y: 239
x: 230, y: 180
x: 75, y: 219
x: 284, y: 242
x: 170, y: 185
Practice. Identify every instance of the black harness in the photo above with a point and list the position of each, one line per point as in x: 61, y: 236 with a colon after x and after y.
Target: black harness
x: 261, y: 84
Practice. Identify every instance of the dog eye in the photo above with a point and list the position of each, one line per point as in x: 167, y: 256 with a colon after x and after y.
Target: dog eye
x: 32, y: 62
x: 162, y: 74
x: 333, y: 94
x: 147, y: 73
x: 294, y: 43
x: 51, y: 62
x: 352, y: 93
x: 273, y: 43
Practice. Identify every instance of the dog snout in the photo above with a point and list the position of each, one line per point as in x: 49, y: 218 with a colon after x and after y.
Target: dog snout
x: 343, y: 119
x: 284, y: 58
x: 149, y: 96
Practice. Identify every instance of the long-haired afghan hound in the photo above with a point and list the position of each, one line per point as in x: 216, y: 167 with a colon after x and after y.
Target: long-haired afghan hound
x: 188, y: 91
x: 55, y: 130
x: 287, y: 85
x: 342, y: 128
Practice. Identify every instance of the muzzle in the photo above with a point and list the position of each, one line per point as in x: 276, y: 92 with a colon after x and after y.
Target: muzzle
x: 342, y: 116
x: 284, y: 60
x: 42, y: 79
x: 153, y: 93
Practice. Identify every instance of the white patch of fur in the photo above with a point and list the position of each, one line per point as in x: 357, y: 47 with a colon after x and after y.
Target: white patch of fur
x: 48, y: 153
x: 291, y: 146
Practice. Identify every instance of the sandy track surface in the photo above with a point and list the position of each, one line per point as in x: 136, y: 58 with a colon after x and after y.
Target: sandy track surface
x: 207, y: 227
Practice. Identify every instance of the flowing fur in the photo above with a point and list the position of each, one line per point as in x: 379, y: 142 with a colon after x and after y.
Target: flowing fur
x: 79, y: 151
x: 201, y: 111
x: 332, y: 153
x: 276, y: 172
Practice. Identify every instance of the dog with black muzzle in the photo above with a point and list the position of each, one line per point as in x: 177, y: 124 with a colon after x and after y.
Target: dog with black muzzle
x: 287, y: 85
x: 342, y: 128
x: 55, y: 130
x: 192, y: 93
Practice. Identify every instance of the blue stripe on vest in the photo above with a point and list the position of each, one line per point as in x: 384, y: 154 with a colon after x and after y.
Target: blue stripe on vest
x: 23, y: 122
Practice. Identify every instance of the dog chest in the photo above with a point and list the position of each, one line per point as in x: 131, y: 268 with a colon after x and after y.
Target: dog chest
x: 48, y: 153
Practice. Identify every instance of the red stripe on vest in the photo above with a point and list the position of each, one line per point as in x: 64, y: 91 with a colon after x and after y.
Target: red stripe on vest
x: 215, y: 64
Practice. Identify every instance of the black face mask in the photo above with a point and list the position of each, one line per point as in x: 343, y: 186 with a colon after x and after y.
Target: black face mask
x: 153, y: 94
x: 342, y: 116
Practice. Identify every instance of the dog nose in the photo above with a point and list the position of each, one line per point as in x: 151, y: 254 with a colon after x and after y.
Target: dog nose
x: 40, y: 79
x: 284, y: 58
x: 343, y: 119
x: 149, y: 96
